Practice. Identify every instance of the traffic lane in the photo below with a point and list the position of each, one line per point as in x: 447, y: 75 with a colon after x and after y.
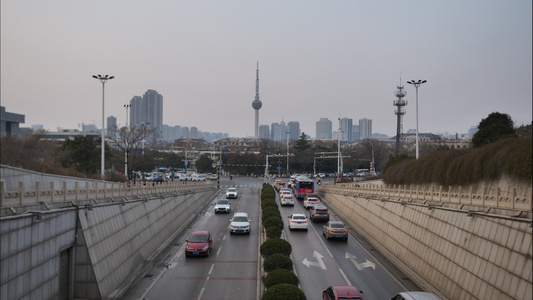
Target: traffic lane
x: 187, y: 278
x: 314, y: 265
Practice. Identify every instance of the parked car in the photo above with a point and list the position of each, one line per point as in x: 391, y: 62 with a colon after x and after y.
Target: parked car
x: 336, y: 292
x: 231, y: 193
x: 309, y: 202
x: 287, y: 200
x: 415, y: 296
x: 212, y: 176
x: 199, y: 178
x: 240, y: 223
x: 319, y: 213
x: 335, y: 229
x: 199, y: 243
x: 222, y: 205
x: 298, y: 221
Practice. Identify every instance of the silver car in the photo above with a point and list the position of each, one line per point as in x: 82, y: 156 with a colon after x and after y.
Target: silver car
x: 222, y: 206
x: 335, y: 229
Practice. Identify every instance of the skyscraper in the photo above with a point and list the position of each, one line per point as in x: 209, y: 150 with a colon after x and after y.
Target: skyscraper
x: 293, y: 128
x: 148, y: 111
x: 365, y: 128
x: 264, y: 132
x: 257, y: 104
x: 346, y: 127
x: 324, y: 129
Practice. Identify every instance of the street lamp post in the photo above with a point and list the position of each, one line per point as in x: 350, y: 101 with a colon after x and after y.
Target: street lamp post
x: 126, y: 137
x: 103, y: 80
x: 416, y: 85
x: 220, y: 167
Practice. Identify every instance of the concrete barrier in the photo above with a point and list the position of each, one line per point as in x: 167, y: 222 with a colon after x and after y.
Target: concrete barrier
x: 448, y: 249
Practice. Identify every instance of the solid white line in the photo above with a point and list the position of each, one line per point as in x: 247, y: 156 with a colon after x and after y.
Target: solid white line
x: 211, y: 269
x: 218, y: 251
x: 201, y: 292
x: 345, y: 278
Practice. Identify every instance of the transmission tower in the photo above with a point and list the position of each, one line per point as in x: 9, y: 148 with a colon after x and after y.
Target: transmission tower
x: 400, y: 111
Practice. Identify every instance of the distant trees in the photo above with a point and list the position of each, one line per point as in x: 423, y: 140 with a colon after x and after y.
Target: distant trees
x: 495, y: 127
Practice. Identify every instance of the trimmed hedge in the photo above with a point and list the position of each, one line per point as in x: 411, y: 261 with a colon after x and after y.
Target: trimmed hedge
x: 273, y: 221
x: 284, y: 291
x: 281, y: 276
x: 275, y: 245
x: 273, y: 232
x: 277, y: 261
x: 270, y: 213
x: 269, y: 203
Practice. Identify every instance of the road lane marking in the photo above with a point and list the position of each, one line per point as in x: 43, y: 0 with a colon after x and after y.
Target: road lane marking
x: 319, y: 263
x: 211, y: 269
x: 345, y: 277
x: 360, y: 266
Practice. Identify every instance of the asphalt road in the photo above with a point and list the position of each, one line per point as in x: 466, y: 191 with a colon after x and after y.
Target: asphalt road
x: 232, y: 271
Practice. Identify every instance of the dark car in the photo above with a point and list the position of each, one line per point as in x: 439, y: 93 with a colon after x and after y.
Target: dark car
x: 319, y: 213
x: 335, y: 230
x: 199, y: 243
x: 336, y: 292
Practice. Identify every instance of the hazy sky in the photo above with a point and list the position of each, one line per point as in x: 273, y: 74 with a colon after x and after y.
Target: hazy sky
x: 317, y: 59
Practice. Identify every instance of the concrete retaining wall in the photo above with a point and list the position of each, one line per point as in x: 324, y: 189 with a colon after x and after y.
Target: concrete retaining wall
x: 89, y: 253
x: 448, y: 252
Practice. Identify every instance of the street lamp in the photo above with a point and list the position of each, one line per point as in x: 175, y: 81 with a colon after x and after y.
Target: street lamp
x: 103, y: 80
x: 126, y: 137
x: 416, y: 85
x: 220, y: 167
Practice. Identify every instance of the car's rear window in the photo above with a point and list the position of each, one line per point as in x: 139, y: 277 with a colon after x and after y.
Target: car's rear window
x: 299, y: 217
x: 223, y: 202
x: 337, y: 225
x: 321, y: 209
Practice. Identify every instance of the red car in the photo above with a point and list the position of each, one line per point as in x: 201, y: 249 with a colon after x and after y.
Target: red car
x: 199, y: 243
x: 338, y: 292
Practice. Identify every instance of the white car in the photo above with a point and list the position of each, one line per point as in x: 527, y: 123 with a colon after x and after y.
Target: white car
x: 282, y: 194
x: 232, y: 193
x: 287, y: 200
x: 222, y: 205
x: 199, y: 178
x: 298, y: 221
x: 310, y: 202
x: 240, y: 223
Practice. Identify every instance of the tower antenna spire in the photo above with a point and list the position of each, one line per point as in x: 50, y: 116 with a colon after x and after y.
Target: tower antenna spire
x: 256, y: 104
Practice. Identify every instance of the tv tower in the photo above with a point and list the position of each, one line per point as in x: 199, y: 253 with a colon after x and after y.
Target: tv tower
x: 256, y: 104
x: 400, y: 103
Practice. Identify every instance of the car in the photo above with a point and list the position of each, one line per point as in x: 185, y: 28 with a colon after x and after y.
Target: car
x: 222, y: 205
x: 298, y: 221
x: 199, y: 243
x: 335, y: 229
x: 231, y: 193
x: 199, y: 178
x: 287, y: 200
x: 284, y: 193
x: 415, y: 296
x: 336, y: 292
x: 240, y: 223
x: 319, y: 213
x: 309, y: 202
x: 212, y: 176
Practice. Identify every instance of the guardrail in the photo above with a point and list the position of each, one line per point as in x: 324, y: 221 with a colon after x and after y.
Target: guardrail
x: 88, y: 191
x: 455, y: 195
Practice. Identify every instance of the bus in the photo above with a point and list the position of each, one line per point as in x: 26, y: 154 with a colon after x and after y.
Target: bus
x: 303, y: 186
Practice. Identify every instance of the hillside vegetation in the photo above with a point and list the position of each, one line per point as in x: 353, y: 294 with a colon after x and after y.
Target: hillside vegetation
x: 493, y: 165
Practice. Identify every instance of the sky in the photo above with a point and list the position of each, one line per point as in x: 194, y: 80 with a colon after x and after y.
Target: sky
x: 317, y: 59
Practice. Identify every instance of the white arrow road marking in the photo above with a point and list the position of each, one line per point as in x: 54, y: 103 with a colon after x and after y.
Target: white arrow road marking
x: 318, y: 257
x: 360, y: 266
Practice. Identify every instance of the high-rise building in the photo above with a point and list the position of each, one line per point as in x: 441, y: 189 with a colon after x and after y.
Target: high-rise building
x: 193, y: 132
x: 346, y: 128
x: 324, y: 129
x: 294, y: 130
x: 111, y: 126
x: 256, y: 104
x: 355, y: 133
x: 365, y: 128
x: 278, y: 132
x: 264, y: 132
x: 148, y: 111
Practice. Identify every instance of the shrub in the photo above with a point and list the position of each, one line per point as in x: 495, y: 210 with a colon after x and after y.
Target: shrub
x: 267, y: 196
x: 277, y: 261
x: 284, y: 291
x: 269, y: 203
x: 270, y: 213
x: 273, y: 221
x: 273, y: 232
x: 281, y: 276
x: 275, y: 245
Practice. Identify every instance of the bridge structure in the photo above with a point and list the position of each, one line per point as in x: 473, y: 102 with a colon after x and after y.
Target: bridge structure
x: 72, y: 238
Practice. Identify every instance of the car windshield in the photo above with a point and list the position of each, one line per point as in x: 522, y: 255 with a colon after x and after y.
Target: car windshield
x: 240, y: 219
x: 232, y: 190
x: 198, y: 238
x: 336, y: 225
x: 352, y: 298
x: 223, y: 202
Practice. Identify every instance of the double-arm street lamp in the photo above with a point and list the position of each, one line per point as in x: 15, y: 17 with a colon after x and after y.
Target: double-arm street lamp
x: 103, y: 79
x: 416, y: 85
x: 126, y: 147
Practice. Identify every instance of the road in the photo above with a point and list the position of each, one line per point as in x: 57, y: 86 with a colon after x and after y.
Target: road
x: 232, y: 271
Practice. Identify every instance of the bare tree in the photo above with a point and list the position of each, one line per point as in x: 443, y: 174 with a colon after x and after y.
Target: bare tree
x: 133, y: 142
